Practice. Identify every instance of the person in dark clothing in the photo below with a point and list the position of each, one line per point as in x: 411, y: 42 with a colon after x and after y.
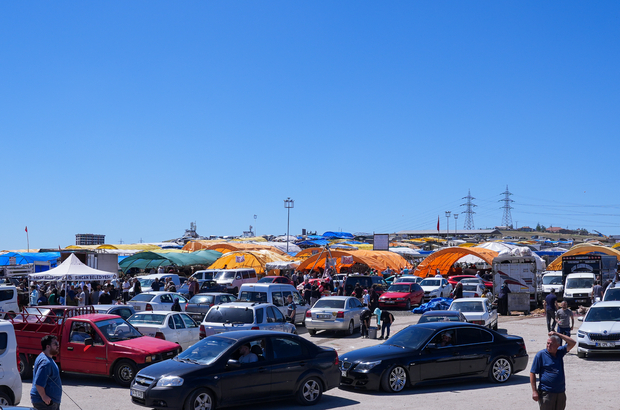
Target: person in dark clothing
x: 457, y: 293
x: 597, y: 292
x: 358, y: 291
x: 386, y: 322
x: 365, y: 319
x: 113, y: 292
x: 307, y: 292
x: 176, y: 306
x: 374, y: 299
x: 137, y: 288
x: 551, y: 306
x: 105, y: 298
x: 502, y: 300
x: 155, y: 285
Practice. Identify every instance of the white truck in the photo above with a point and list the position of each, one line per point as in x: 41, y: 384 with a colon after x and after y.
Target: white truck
x: 522, y: 272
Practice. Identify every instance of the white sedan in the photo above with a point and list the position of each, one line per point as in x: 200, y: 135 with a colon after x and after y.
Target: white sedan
x: 157, y: 301
x: 435, y: 288
x: 176, y: 327
x: 477, y: 310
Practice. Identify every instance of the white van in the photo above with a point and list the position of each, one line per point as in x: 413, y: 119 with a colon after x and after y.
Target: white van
x: 552, y: 280
x: 147, y: 280
x: 276, y: 293
x: 234, y: 278
x: 207, y: 274
x: 578, y: 288
x: 8, y: 301
x: 10, y: 382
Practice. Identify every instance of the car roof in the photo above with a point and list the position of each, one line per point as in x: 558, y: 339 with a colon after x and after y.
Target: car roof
x: 212, y: 294
x: 111, y: 306
x: 442, y: 313
x: 470, y: 300
x: 443, y: 325
x: 337, y: 297
x: 159, y: 312
x: 159, y: 293
x: 251, y: 334
x: 243, y: 305
x: 609, y: 303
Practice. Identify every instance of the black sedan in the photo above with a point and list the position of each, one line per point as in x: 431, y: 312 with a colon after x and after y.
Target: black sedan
x: 237, y: 368
x: 433, y: 351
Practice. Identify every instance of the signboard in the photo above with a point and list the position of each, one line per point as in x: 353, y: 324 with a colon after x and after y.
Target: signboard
x: 12, y: 260
x: 347, y: 260
x: 240, y: 258
x: 580, y: 263
x: 381, y: 242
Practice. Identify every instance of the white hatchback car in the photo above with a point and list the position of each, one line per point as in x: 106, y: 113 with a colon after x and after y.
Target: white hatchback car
x: 156, y: 301
x: 600, y: 331
x: 435, y: 288
x: 477, y: 310
x: 176, y: 327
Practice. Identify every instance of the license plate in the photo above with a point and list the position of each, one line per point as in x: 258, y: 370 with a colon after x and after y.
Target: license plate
x: 344, y: 373
x: 390, y: 302
x: 137, y: 394
x: 605, y: 344
x: 581, y: 300
x: 323, y: 316
x: 136, y: 307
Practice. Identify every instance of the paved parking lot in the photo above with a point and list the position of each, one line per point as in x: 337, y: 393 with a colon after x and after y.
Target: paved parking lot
x: 591, y: 383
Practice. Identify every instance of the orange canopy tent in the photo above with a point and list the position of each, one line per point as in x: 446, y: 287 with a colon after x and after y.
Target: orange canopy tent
x: 446, y: 258
x: 582, y: 249
x: 226, y: 247
x: 248, y: 259
x: 308, y: 252
x: 379, y: 260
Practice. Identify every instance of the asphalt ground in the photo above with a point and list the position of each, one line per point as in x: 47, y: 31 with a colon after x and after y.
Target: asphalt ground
x: 591, y: 382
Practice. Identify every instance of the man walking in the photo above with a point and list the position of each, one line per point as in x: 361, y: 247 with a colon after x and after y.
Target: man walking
x: 551, y: 305
x: 549, y: 366
x: 565, y: 319
x: 46, y: 390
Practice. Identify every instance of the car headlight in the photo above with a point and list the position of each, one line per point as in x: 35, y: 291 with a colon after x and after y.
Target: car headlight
x: 150, y: 359
x: 365, y: 367
x: 581, y: 334
x: 170, y: 381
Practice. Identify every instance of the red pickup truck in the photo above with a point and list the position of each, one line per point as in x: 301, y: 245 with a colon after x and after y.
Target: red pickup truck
x: 89, y: 343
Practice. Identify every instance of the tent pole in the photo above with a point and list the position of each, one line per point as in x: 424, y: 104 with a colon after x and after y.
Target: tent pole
x: 317, y: 260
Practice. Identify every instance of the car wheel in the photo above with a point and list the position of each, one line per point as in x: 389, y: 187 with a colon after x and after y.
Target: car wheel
x: 312, y: 332
x: 394, y: 380
x: 581, y: 355
x: 25, y: 367
x: 124, y: 372
x: 294, y: 331
x: 309, y: 392
x: 495, y: 325
x: 501, y: 370
x: 5, y: 400
x: 408, y: 307
x: 200, y: 399
x: 351, y: 328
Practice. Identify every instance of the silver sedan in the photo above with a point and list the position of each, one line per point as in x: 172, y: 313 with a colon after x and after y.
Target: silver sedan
x: 339, y: 313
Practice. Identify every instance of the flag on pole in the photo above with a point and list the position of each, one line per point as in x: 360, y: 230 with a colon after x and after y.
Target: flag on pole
x: 437, y: 223
x: 26, y: 229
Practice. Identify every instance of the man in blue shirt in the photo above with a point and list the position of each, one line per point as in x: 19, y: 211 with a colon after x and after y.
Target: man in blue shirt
x: 549, y: 365
x: 551, y: 306
x: 46, y: 389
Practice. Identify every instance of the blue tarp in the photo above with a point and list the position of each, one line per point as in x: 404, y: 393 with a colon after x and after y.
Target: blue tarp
x: 434, y: 304
x: 318, y: 242
x: 338, y: 235
x: 30, y: 257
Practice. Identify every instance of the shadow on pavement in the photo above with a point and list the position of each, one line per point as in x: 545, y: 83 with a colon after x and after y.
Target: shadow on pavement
x: 328, y: 401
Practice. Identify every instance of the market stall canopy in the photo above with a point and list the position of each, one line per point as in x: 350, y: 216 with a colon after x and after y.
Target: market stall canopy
x: 250, y: 239
x: 124, y: 246
x: 281, y: 265
x: 145, y: 260
x: 256, y: 259
x: 338, y: 235
x: 445, y: 258
x: 226, y: 247
x: 379, y: 260
x: 72, y: 269
x: 583, y: 249
x: 25, y: 258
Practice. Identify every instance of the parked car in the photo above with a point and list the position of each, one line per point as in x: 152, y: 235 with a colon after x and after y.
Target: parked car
x: 8, y: 301
x: 404, y: 295
x: 553, y: 280
x: 417, y: 354
x: 209, y: 374
x: 235, y: 316
x: 124, y: 311
x: 435, y: 288
x: 442, y: 316
x: 276, y: 293
x: 472, y: 289
x: 366, y: 282
x: 600, y: 330
x: 611, y: 293
x: 339, y: 313
x: 175, y: 327
x: 408, y: 279
x: 234, y: 278
x: 477, y: 310
x: 207, y: 274
x: 453, y: 280
x: 276, y: 279
x: 199, y: 304
x: 156, y: 301
x: 578, y: 288
x: 10, y: 382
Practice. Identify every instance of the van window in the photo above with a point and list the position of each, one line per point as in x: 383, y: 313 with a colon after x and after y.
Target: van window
x: 4, y: 338
x: 246, y: 275
x: 247, y: 296
x: 277, y: 298
x: 298, y: 299
x: 285, y: 295
x: 6, y: 294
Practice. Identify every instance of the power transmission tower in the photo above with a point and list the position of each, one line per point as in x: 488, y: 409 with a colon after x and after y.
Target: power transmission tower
x: 507, y: 218
x: 469, y: 211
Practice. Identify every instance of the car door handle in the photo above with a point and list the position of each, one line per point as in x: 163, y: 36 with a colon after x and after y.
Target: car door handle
x: 302, y: 364
x: 262, y: 370
x: 69, y: 348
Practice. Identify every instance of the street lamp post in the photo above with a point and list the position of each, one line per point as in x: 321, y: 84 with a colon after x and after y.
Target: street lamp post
x: 456, y: 216
x: 255, y: 230
x: 448, y: 225
x: 288, y: 204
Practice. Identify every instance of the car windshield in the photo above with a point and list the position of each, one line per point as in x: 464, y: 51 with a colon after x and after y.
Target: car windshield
x: 430, y: 282
x: 468, y: 306
x: 612, y: 294
x: 146, y: 283
x: 247, y: 296
x: 329, y: 304
x: 603, y: 314
x: 230, y: 315
x: 147, y: 319
x: 579, y: 283
x: 206, y: 351
x: 116, y: 330
x: 470, y: 280
x: 410, y: 337
x: 224, y: 275
x: 201, y: 299
x: 400, y: 288
x: 143, y: 297
x: 451, y: 318
x: 552, y: 280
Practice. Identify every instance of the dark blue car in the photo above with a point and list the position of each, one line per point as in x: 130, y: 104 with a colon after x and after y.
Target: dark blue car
x: 433, y: 351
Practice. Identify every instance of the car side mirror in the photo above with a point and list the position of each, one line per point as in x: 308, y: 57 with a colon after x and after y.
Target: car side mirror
x: 233, y: 364
x: 431, y: 346
x: 580, y: 318
x: 88, y: 341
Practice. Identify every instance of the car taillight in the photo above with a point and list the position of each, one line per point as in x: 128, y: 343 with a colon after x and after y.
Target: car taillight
x: 160, y: 335
x: 478, y: 322
x: 522, y: 346
x: 203, y: 333
x: 308, y: 314
x: 186, y: 306
x: 148, y: 307
x: 255, y: 328
x: 340, y: 315
x: 336, y: 362
x: 476, y: 295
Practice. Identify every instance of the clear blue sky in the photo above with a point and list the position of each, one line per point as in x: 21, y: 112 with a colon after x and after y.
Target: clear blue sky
x: 133, y: 119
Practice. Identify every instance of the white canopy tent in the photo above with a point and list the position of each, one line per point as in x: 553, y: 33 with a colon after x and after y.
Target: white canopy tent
x: 72, y: 269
